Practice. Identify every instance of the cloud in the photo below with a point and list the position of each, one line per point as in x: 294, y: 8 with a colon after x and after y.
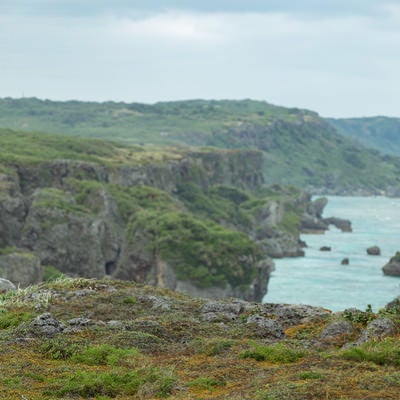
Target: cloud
x: 309, y: 8
x: 172, y: 26
x: 340, y: 64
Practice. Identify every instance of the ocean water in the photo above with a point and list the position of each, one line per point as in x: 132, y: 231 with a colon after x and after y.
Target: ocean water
x: 319, y: 279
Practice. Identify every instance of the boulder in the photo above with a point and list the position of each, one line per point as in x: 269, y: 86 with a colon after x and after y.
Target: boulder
x: 337, y: 330
x: 266, y: 327
x: 374, y: 251
x: 345, y: 261
x: 377, y: 329
x: 392, y: 268
x: 6, y: 285
x: 21, y: 267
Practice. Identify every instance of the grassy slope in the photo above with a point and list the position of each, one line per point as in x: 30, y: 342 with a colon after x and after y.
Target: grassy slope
x: 299, y: 147
x: 381, y: 133
x: 161, y: 348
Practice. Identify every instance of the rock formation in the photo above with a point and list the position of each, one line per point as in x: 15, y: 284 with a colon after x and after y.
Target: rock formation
x: 392, y: 268
x: 374, y: 251
x: 6, y: 285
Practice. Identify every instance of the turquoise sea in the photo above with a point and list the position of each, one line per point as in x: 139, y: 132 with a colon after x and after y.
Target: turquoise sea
x: 319, y: 279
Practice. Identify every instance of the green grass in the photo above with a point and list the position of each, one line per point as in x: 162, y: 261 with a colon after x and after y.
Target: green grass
x: 385, y: 352
x: 279, y: 353
x: 94, y: 384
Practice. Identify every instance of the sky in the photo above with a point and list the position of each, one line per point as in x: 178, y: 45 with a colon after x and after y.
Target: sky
x: 340, y: 58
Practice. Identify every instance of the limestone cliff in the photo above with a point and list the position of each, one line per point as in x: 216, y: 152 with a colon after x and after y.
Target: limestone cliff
x: 199, y: 222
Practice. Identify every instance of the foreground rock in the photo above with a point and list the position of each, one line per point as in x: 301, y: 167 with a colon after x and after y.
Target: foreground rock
x: 392, y: 268
x: 6, y: 285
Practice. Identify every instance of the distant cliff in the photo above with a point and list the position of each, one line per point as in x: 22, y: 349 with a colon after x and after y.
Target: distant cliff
x: 298, y: 147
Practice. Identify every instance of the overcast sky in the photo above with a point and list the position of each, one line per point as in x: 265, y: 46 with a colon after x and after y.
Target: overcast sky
x: 340, y: 58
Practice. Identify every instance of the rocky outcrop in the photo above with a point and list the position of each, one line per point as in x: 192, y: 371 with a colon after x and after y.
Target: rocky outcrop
x: 63, y: 236
x: 77, y: 217
x: 378, y: 329
x: 392, y: 268
x: 343, y: 224
x: 22, y: 268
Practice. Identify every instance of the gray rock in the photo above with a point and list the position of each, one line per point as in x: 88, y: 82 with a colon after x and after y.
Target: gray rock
x: 336, y: 330
x: 221, y: 312
x: 377, y: 329
x: 21, y: 267
x: 156, y: 302
x: 393, y: 306
x: 46, y: 325
x: 67, y: 239
x: 392, y: 268
x: 325, y: 248
x: 6, y: 285
x: 267, y: 327
x: 345, y: 261
x: 312, y: 224
x: 294, y: 314
x: 343, y: 224
x: 317, y: 207
x: 373, y: 251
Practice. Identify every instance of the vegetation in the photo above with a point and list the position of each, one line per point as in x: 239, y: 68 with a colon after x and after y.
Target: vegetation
x: 203, y: 252
x: 299, y: 147
x: 131, y: 349
x: 380, y: 133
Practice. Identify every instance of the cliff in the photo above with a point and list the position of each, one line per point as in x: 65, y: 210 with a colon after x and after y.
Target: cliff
x: 298, y: 147
x: 200, y: 222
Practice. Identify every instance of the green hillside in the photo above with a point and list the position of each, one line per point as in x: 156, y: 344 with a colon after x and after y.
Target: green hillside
x: 299, y: 147
x: 381, y: 133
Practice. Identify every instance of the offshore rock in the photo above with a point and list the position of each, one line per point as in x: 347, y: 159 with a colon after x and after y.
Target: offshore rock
x: 392, y: 268
x: 343, y: 224
x: 373, y: 251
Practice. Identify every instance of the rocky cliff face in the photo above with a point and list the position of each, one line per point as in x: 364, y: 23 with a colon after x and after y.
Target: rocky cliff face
x: 131, y: 222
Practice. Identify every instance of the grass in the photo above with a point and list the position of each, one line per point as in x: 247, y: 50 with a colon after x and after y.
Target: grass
x: 175, y: 353
x: 386, y: 352
x: 279, y: 353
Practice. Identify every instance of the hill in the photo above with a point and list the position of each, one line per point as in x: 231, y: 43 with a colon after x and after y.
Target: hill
x: 107, y: 339
x: 299, y: 148
x: 380, y: 133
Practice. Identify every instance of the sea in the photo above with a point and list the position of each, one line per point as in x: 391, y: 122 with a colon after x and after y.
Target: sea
x: 319, y: 279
